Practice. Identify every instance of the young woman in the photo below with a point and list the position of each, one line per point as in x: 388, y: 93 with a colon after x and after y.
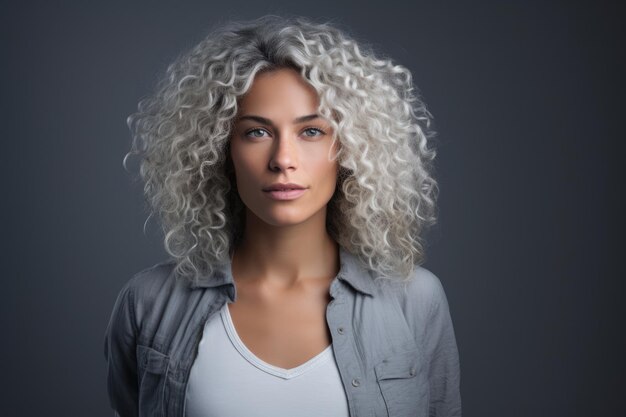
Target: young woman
x: 291, y: 171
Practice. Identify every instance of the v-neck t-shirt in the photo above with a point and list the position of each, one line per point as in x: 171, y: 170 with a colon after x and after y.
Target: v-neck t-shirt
x: 228, y: 380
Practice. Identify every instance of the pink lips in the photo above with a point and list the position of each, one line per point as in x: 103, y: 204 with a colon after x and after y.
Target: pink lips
x: 285, y: 194
x: 284, y: 191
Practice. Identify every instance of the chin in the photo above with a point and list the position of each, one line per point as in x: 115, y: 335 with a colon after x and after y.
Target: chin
x: 284, y: 220
x: 281, y: 215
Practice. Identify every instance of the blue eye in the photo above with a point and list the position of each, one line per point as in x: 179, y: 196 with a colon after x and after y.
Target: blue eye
x: 308, y: 129
x: 309, y: 132
x: 250, y: 132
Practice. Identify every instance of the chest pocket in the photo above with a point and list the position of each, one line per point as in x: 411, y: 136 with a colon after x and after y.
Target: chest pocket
x: 402, y: 379
x: 152, y: 371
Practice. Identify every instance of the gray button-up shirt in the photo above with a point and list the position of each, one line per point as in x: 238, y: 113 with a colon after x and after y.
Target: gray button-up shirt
x: 394, y: 343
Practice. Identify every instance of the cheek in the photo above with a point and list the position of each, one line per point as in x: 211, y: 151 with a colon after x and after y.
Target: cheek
x: 245, y: 164
x: 327, y: 173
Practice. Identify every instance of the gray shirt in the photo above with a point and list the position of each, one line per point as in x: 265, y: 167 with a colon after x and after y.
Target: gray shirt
x: 394, y: 344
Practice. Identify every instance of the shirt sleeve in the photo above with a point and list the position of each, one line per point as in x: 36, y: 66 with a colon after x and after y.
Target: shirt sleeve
x: 444, y: 371
x: 119, y: 352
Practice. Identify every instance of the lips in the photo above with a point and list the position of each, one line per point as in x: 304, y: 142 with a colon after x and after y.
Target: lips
x: 285, y: 195
x: 284, y: 187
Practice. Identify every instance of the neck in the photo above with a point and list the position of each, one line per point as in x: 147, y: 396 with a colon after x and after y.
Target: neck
x: 285, y: 256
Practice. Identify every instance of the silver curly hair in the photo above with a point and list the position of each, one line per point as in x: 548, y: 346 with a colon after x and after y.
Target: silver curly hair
x: 386, y: 195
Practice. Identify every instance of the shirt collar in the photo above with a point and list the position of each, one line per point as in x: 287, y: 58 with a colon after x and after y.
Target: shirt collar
x: 351, y: 270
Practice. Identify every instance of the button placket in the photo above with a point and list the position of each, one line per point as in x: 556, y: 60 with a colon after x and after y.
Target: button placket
x: 355, y: 381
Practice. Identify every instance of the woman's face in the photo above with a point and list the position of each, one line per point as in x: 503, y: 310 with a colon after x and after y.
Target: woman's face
x: 278, y: 138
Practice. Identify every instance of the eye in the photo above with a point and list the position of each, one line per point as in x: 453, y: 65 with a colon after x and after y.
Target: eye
x: 255, y: 132
x: 314, y: 129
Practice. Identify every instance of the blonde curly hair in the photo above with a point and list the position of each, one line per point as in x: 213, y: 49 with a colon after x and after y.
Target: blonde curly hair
x: 386, y: 194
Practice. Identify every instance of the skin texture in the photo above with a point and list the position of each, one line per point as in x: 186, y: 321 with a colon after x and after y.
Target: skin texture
x: 286, y: 260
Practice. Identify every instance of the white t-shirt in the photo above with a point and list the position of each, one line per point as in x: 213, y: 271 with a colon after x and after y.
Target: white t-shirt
x: 228, y: 380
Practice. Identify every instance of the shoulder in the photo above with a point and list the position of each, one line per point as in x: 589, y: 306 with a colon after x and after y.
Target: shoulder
x: 424, y: 283
x: 420, y: 296
x: 136, y: 297
x: 150, y: 280
x: 423, y: 287
x: 144, y: 290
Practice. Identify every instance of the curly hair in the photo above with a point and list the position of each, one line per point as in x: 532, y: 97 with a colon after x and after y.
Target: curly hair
x: 385, y: 196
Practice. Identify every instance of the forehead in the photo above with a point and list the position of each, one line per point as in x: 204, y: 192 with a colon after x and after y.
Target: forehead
x: 282, y: 90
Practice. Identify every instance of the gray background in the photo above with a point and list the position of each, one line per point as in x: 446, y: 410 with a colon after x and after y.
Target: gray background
x: 526, y: 98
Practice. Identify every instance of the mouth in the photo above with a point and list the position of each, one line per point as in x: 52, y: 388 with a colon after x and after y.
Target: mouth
x: 284, y: 187
x: 285, y: 194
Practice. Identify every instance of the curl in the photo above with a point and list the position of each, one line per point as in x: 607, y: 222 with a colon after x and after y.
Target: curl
x: 386, y: 196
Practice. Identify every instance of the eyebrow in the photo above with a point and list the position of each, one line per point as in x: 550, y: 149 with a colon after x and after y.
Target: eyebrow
x: 268, y: 122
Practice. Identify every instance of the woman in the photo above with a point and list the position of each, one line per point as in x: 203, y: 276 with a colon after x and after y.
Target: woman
x: 291, y: 171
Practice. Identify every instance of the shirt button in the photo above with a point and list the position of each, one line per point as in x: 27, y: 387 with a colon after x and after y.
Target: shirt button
x: 340, y: 330
x: 356, y: 382
x: 412, y: 371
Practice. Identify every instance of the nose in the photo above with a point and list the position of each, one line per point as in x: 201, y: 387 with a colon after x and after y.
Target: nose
x: 284, y: 154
